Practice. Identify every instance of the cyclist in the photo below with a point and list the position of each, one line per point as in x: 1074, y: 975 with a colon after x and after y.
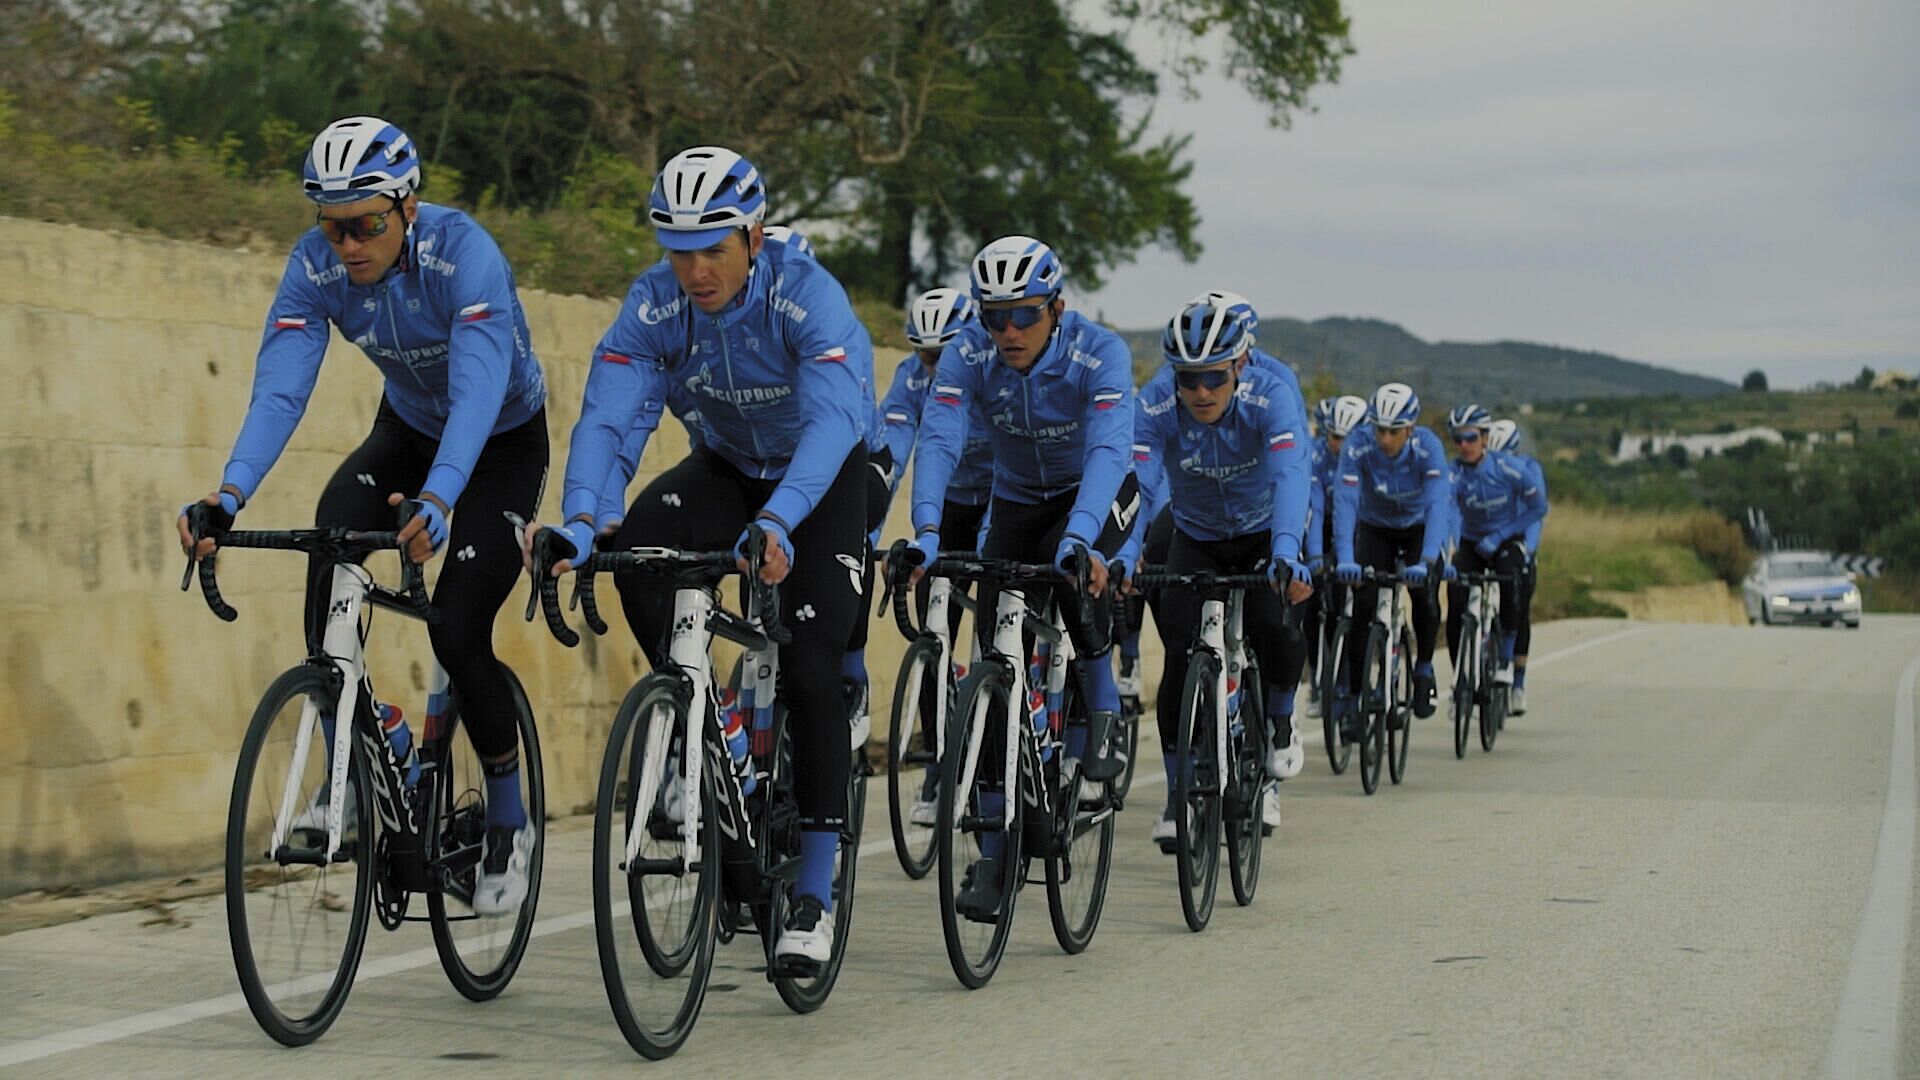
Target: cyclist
x: 1391, y: 506
x: 1503, y: 436
x: 425, y: 293
x: 1222, y: 445
x: 1342, y: 414
x: 1496, y: 502
x: 766, y: 344
x: 935, y: 318
x: 1056, y: 392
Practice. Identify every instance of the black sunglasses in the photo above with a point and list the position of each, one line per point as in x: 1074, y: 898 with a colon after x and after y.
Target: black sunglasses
x: 1020, y: 318
x: 1194, y: 380
x: 361, y: 227
x: 1467, y: 435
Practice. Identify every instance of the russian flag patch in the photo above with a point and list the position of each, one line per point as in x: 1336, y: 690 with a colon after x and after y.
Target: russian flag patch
x: 1282, y: 441
x: 1142, y: 452
x: 834, y: 355
x: 288, y: 322
x: 1350, y: 480
x: 1107, y: 399
x: 616, y: 358
x: 474, y: 312
x: 947, y: 395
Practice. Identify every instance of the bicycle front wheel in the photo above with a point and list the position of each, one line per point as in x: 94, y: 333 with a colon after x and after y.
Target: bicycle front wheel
x: 805, y: 990
x: 1375, y: 708
x: 977, y: 939
x: 1463, y: 686
x: 1400, y: 731
x: 1196, y: 793
x: 478, y: 953
x: 1244, y: 825
x: 909, y: 770
x: 296, y: 920
x: 1493, y: 712
x: 654, y: 916
x: 1333, y: 688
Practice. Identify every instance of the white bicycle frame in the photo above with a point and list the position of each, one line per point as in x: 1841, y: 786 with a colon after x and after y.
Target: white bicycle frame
x: 1390, y: 611
x: 1008, y: 619
x: 939, y: 601
x: 344, y: 643
x: 1482, y: 600
x: 1218, y: 622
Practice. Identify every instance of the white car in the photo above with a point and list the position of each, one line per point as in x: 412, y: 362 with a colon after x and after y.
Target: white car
x: 1800, y: 587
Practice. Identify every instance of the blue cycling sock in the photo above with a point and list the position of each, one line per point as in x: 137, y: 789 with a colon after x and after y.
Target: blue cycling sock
x: 992, y: 841
x: 1130, y: 646
x: 854, y: 665
x: 1280, y: 704
x: 1425, y: 667
x: 1076, y: 740
x: 817, y: 849
x: 1171, y: 762
x: 1101, y: 691
x: 1506, y: 647
x: 504, y: 808
x: 1520, y: 676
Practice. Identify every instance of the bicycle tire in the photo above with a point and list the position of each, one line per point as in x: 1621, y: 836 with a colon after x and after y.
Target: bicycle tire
x: 318, y: 684
x: 990, y: 681
x: 486, y: 983
x: 913, y: 844
x: 1400, y: 735
x: 1197, y: 841
x: 1332, y: 688
x: 1493, y: 710
x: 1374, y: 706
x: 806, y: 993
x: 1082, y: 845
x: 1465, y: 688
x: 1246, y: 831
x: 1131, y: 710
x: 620, y: 903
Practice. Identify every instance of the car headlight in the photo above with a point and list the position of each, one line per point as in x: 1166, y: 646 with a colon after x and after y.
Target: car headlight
x: 1778, y: 601
x: 1851, y: 596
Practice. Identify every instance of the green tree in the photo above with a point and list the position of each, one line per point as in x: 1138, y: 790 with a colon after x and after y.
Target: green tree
x: 1755, y: 382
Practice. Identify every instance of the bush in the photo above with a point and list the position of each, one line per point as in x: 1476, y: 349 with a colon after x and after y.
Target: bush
x: 1719, y: 543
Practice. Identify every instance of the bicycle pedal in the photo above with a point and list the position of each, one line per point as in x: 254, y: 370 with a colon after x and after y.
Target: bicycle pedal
x: 795, y: 967
x: 1168, y: 847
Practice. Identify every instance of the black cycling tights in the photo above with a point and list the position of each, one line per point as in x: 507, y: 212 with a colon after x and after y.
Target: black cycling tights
x: 703, y: 504
x: 1380, y: 548
x: 479, y: 565
x: 1280, y: 649
x: 1510, y: 560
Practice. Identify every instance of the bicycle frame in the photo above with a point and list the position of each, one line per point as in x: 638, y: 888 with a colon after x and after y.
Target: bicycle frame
x: 1483, y: 599
x: 1009, y: 618
x: 1389, y: 611
x: 1221, y: 633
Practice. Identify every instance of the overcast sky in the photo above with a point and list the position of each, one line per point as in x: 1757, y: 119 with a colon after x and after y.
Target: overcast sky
x: 1712, y: 185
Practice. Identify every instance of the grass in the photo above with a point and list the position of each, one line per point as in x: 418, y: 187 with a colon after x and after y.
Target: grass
x: 1587, y: 548
x: 1596, y: 425
x: 1894, y: 592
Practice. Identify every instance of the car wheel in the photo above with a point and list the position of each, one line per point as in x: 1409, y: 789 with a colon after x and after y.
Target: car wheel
x: 1853, y: 626
x: 1827, y: 623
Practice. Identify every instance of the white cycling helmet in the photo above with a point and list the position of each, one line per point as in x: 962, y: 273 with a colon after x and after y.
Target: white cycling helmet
x: 359, y: 157
x: 786, y: 237
x: 937, y: 316
x: 701, y: 195
x: 1395, y: 405
x: 1348, y: 412
x: 1503, y: 435
x: 1238, y: 306
x: 1014, y: 268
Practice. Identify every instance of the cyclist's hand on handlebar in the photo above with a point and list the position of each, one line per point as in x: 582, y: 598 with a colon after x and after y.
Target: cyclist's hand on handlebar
x: 1449, y: 573
x: 426, y: 531
x: 1096, y: 574
x: 1291, y: 577
x: 778, y: 560
x: 927, y: 547
x: 1415, y: 575
x: 1488, y: 546
x: 227, y: 505
x: 1348, y: 572
x: 1121, y: 575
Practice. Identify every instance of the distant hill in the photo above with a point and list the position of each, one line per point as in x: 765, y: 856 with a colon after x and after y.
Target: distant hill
x: 1361, y: 354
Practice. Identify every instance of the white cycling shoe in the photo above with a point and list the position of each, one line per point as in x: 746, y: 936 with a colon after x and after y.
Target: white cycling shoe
x: 1285, y: 762
x: 808, y: 934
x: 1270, y: 807
x: 501, y: 885
x: 314, y: 817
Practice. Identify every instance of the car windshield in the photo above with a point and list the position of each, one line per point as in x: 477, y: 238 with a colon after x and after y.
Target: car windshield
x: 1811, y: 566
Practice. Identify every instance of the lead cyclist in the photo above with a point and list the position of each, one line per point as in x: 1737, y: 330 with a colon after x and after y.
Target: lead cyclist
x: 425, y: 293
x: 766, y: 345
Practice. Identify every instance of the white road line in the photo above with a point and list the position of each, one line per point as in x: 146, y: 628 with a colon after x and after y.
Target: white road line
x: 159, y: 1019
x: 1866, y: 1030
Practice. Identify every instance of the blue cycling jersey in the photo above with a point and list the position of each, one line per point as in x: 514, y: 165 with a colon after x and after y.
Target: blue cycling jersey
x: 1496, y: 498
x: 1063, y: 424
x: 1539, y: 476
x: 1244, y: 473
x: 902, y: 410
x: 1401, y: 492
x: 447, y: 333
x: 782, y: 380
x: 1324, y: 464
x: 1281, y: 370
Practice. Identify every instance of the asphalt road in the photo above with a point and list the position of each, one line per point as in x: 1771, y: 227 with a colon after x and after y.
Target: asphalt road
x: 1684, y: 861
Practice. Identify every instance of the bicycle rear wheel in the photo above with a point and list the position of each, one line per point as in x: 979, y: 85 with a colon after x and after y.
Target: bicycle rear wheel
x: 908, y: 768
x: 655, y: 917
x: 481, y: 954
x: 1082, y: 854
x: 1131, y: 710
x: 1400, y: 733
x: 1374, y: 708
x: 805, y: 991
x: 1248, y: 787
x: 1333, y: 688
x: 296, y: 922
x: 1196, y: 795
x: 975, y: 946
x: 1464, y: 688
x: 1493, y: 712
